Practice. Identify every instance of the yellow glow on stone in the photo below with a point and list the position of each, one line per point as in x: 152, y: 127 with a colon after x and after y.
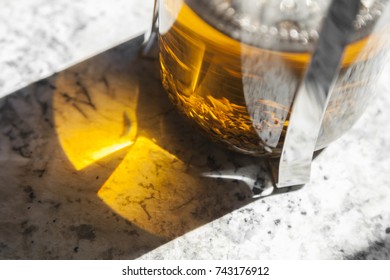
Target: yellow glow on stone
x: 152, y: 189
x: 91, y: 121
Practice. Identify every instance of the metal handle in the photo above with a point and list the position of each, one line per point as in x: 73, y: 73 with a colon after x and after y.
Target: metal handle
x: 312, y: 96
x: 149, y: 46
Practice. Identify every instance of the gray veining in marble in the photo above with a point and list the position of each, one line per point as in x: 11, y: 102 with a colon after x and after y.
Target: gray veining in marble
x: 96, y: 164
x: 53, y: 206
x: 56, y: 182
x: 344, y: 213
x: 39, y: 37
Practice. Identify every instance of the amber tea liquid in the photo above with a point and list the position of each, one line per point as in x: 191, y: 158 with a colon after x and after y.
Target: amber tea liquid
x: 202, y: 71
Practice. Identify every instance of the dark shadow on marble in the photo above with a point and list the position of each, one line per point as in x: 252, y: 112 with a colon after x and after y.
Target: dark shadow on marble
x: 64, y: 195
x: 378, y: 250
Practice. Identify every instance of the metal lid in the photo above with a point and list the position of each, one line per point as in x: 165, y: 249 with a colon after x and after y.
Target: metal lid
x: 284, y: 25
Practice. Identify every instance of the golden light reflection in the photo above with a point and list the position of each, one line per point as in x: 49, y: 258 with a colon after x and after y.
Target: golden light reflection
x: 152, y: 188
x: 93, y: 121
x: 98, y: 110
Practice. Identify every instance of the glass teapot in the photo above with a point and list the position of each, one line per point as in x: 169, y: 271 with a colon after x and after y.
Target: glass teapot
x: 240, y: 71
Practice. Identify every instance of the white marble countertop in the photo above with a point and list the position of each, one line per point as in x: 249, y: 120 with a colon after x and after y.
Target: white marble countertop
x: 40, y: 37
x: 343, y: 213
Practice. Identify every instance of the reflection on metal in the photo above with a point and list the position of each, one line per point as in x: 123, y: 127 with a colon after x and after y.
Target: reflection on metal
x: 312, y: 98
x: 269, y: 85
x: 356, y: 84
x: 255, y: 177
x: 149, y: 48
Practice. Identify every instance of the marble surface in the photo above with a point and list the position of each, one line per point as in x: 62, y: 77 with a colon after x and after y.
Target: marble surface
x: 96, y: 164
x: 40, y: 37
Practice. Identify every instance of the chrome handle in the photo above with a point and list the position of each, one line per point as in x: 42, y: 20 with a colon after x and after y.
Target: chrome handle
x: 314, y: 92
x: 148, y: 48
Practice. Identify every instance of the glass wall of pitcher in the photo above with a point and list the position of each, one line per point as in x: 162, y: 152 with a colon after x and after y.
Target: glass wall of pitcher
x: 233, y: 66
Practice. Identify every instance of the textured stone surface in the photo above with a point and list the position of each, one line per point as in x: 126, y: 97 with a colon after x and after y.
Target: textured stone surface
x: 65, y: 193
x: 40, y: 37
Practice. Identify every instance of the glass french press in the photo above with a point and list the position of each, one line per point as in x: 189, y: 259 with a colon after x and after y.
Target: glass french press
x: 279, y: 79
